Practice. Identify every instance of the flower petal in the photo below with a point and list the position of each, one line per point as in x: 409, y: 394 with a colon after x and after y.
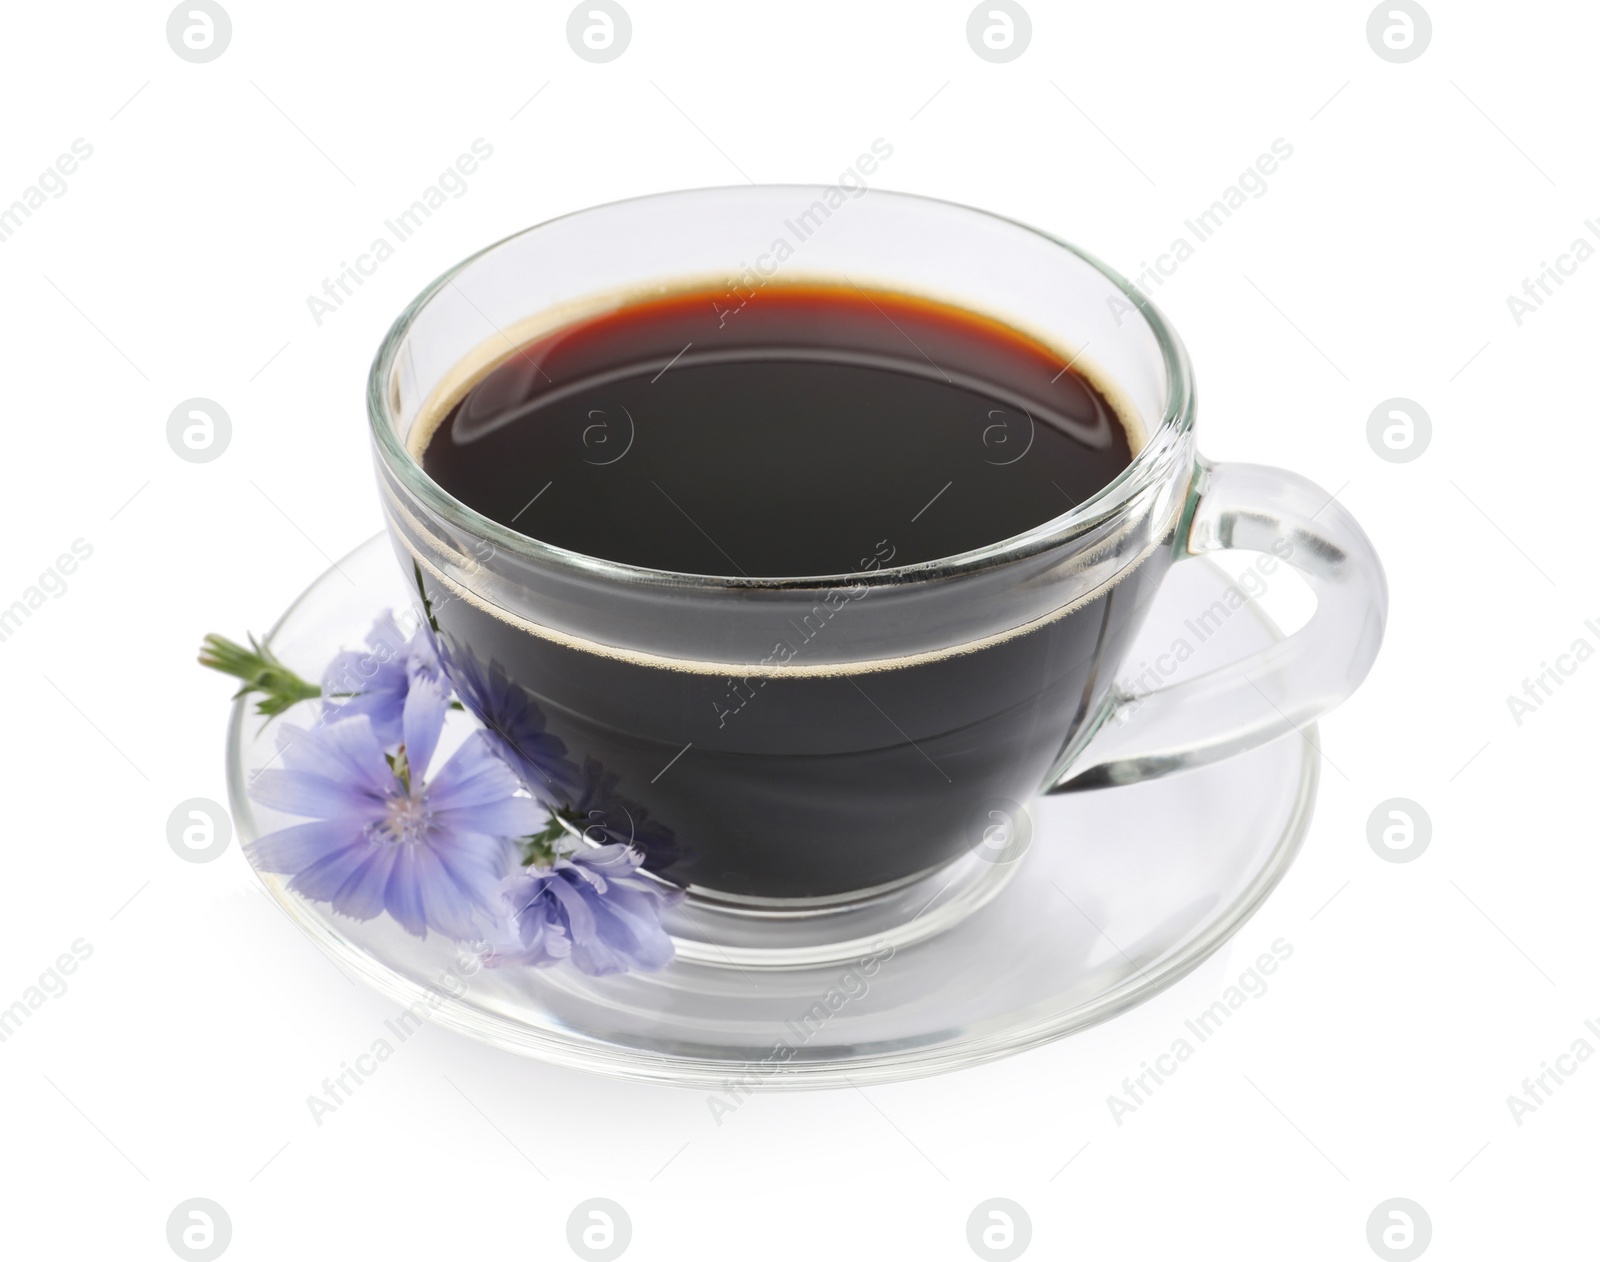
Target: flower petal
x: 457, y: 904
x: 472, y: 776
x: 422, y: 654
x: 314, y: 796
x: 422, y: 721
x: 532, y: 932
x: 402, y: 892
x: 580, y: 918
x: 362, y: 893
x: 293, y: 849
x: 509, y: 817
x: 324, y: 879
x: 344, y: 750
x: 475, y: 863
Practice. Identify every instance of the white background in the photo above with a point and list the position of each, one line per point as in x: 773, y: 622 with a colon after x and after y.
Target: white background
x: 177, y: 264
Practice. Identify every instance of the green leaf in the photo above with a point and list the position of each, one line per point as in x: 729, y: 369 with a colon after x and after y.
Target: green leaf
x: 427, y: 605
x: 541, y: 849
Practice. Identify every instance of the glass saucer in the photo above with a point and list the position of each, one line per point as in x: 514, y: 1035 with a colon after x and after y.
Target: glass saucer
x: 1118, y: 893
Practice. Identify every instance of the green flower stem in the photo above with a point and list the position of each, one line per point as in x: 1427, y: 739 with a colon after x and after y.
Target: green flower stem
x: 261, y: 671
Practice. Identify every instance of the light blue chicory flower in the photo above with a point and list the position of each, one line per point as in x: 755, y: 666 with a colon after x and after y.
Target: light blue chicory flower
x: 605, y: 817
x: 434, y: 853
x: 590, y: 906
x: 382, y: 835
x: 515, y: 726
x: 376, y: 681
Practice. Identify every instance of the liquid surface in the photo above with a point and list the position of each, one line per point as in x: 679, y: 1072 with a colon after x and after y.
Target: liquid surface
x: 780, y: 433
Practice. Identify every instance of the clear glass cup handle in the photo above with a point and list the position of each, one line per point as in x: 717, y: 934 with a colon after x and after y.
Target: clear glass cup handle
x: 1277, y: 690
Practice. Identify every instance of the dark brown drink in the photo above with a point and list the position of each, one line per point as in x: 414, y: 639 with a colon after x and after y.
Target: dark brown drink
x: 808, y: 431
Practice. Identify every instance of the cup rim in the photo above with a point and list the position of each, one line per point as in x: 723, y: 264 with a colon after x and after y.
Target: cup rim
x: 1151, y: 464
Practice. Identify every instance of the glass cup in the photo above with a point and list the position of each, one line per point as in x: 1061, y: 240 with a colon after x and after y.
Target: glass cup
x: 894, y: 721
